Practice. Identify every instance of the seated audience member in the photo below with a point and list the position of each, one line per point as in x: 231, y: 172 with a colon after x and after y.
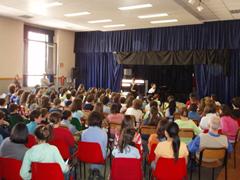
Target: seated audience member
x: 14, y: 96
x: 126, y: 146
x: 64, y: 93
x: 53, y: 95
x: 13, y: 108
x: 61, y: 133
x: 97, y: 96
x: 90, y: 103
x: 114, y: 117
x: 122, y: 101
x: 13, y: 146
x: 31, y: 102
x: 3, y: 104
x: 127, y: 122
x: 149, y: 99
x: 236, y: 105
x: 45, y: 103
x: 115, y: 100
x: 211, y: 139
x: 36, y: 87
x: 202, y: 105
x: 52, y: 87
x: 172, y: 108
x: 5, y: 128
x: 152, y: 91
x: 166, y: 104
x: 112, y: 95
x: 193, y: 114
x: 228, y: 122
x: 43, y: 152
x: 69, y: 100
x: 56, y: 106
x: 19, y: 95
x: 76, y: 109
x: 98, y: 107
x: 105, y: 101
x: 156, y: 98
x: 23, y: 100
x: 172, y: 147
x: 128, y: 104
x: 44, y: 116
x: 147, y: 114
x: 35, y: 118
x: 40, y: 94
x: 160, y: 134
x: 108, y: 92
x: 192, y: 98
x: 66, y: 118
x: 209, y: 110
x: 73, y: 94
x: 185, y: 123
x: 95, y: 134
x: 135, y: 110
x: 214, y: 97
x: 11, y: 90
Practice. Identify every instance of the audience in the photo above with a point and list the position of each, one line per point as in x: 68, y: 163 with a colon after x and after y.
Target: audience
x: 13, y: 146
x: 11, y: 90
x: 152, y: 104
x: 105, y: 101
x: 35, y: 118
x: 128, y: 104
x: 3, y: 104
x: 19, y: 95
x: 5, y: 128
x: 56, y: 106
x: 192, y: 98
x: 236, y: 105
x: 98, y: 107
x: 214, y: 97
x: 122, y: 101
x: 90, y: 103
x: 76, y: 109
x: 45, y: 103
x: 172, y: 108
x: 149, y: 99
x: 66, y: 118
x: 202, y: 105
x: 193, y: 112
x: 23, y: 100
x: 135, y: 110
x: 31, y: 102
x: 13, y: 108
x: 116, y: 101
x: 69, y: 100
x: 44, y: 116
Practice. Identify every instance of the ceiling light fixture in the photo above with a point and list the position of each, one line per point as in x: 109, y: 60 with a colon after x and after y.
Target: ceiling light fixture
x: 100, y: 21
x: 191, y: 1
x: 200, y: 8
x: 77, y: 14
x: 116, y: 25
x: 135, y: 7
x: 164, y: 21
x: 153, y: 15
x: 51, y: 4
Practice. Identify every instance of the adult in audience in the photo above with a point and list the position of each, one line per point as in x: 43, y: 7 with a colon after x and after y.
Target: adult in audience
x: 134, y: 88
x: 105, y: 101
x: 236, y: 105
x: 45, y: 81
x: 172, y: 147
x: 16, y: 82
x: 185, y: 123
x: 90, y: 103
x: 13, y: 146
x: 95, y: 134
x: 135, y: 110
x: 35, y: 118
x: 193, y: 114
x: 128, y: 104
x: 211, y: 139
x: 228, y: 122
x: 13, y: 108
x: 172, y: 108
x: 31, y: 102
x: 56, y: 106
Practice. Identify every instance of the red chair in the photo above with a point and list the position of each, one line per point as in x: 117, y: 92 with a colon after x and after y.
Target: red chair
x: 90, y: 152
x: 139, y: 149
x: 126, y: 168
x: 238, y: 120
x: 167, y: 169
x: 151, y: 158
x: 10, y: 168
x: 219, y: 131
x: 31, y: 141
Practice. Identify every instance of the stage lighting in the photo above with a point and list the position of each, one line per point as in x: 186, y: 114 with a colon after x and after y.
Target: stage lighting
x: 191, y: 1
x: 200, y: 8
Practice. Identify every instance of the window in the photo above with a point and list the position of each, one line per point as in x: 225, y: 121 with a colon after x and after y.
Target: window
x: 39, y: 55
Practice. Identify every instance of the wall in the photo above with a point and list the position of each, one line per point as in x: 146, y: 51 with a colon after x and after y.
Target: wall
x: 11, y: 52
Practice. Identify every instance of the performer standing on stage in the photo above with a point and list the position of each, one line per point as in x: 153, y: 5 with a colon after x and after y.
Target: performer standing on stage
x: 152, y: 91
x: 134, y: 88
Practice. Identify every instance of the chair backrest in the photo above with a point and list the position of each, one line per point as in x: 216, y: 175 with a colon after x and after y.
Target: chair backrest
x: 186, y: 133
x: 130, y: 168
x: 143, y: 109
x: 176, y: 115
x: 152, y: 153
x: 213, y: 153
x: 31, y: 141
x: 10, y: 168
x: 90, y: 152
x: 76, y: 123
x: 195, y: 121
x: 66, y: 107
x: 144, y: 129
x: 116, y: 125
x: 13, y: 121
x: 62, y: 147
x: 42, y: 171
x: 166, y: 168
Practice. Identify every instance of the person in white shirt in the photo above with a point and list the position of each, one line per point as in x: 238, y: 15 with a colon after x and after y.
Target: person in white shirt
x: 153, y: 89
x: 149, y: 99
x: 135, y: 110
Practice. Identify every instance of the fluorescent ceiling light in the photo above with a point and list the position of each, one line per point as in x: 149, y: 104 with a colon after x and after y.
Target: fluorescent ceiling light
x: 138, y: 81
x: 100, y: 21
x: 153, y: 15
x: 51, y: 4
x: 135, y: 7
x: 126, y: 85
x: 191, y: 1
x: 77, y: 14
x: 164, y: 21
x: 116, y: 25
x: 200, y: 8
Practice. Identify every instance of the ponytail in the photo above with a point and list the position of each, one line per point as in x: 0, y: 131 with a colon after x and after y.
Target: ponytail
x: 176, y: 146
x: 154, y: 116
x: 43, y: 132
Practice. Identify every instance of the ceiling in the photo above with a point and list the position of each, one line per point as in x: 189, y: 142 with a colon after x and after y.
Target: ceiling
x: 53, y: 17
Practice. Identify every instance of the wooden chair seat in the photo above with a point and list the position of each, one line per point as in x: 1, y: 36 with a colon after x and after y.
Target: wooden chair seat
x: 213, y: 164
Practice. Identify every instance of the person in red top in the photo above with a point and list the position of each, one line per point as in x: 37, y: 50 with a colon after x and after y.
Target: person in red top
x: 192, y: 100
x: 61, y: 133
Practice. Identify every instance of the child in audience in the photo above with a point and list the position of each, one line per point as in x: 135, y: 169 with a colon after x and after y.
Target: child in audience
x: 5, y: 128
x: 193, y: 114
x: 3, y: 104
x: 76, y: 109
x: 45, y: 103
x: 112, y: 95
x: 44, y: 116
x: 192, y: 98
x: 90, y: 103
x: 64, y: 92
x: 149, y: 99
x: 43, y: 152
x: 127, y: 105
x: 126, y: 145
x: 40, y: 95
x: 52, y: 87
x: 108, y: 92
x: 98, y: 107
x: 69, y: 100
x: 123, y: 101
x: 202, y: 105
x: 135, y: 110
x: 152, y: 104
x: 73, y: 94
x: 115, y: 100
x: 31, y: 102
x: 214, y: 97
x: 11, y: 90
x: 97, y: 96
x: 56, y: 106
x: 19, y: 94
x: 159, y: 136
x: 35, y: 118
x: 14, y: 96
x: 127, y: 122
x: 61, y: 133
x: 105, y: 101
x: 23, y: 100
x: 66, y: 118
x: 53, y: 95
x: 172, y: 147
x: 14, y: 147
x: 171, y: 110
x: 13, y: 108
x: 236, y: 105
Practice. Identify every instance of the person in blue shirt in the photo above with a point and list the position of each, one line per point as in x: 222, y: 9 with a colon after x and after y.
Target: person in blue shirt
x: 35, y: 118
x: 56, y: 105
x: 19, y: 94
x: 52, y: 87
x: 105, y: 101
x: 192, y: 114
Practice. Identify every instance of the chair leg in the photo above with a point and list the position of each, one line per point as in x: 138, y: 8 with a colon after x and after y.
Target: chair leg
x: 199, y: 173
x: 234, y: 149
x: 226, y: 172
x: 84, y: 168
x: 80, y: 168
x: 213, y: 174
x: 105, y: 170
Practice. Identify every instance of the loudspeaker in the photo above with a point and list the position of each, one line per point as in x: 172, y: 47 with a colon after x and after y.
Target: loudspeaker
x: 75, y: 72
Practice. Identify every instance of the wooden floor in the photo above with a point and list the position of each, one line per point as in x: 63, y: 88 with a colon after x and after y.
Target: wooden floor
x: 233, y: 174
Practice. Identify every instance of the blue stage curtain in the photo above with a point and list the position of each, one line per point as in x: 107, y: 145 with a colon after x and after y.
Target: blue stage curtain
x: 99, y: 70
